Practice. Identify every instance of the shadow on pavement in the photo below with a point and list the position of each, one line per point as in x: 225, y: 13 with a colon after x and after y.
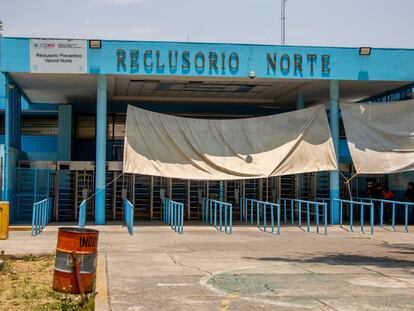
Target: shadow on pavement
x: 346, y: 259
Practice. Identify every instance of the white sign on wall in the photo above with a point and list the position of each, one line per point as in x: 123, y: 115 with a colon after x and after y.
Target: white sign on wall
x: 58, y: 56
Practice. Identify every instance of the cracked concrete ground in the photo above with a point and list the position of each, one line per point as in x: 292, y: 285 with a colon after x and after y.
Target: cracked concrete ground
x: 203, y: 269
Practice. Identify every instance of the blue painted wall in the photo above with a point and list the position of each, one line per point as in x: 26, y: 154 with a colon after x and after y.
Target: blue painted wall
x: 344, y: 63
x: 15, y: 54
x: 343, y: 151
x: 38, y: 147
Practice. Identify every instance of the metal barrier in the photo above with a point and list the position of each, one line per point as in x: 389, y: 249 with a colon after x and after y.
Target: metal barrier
x: 308, y: 204
x: 82, y: 214
x: 351, y: 205
x: 260, y: 205
x: 394, y: 204
x: 42, y: 211
x: 209, y: 209
x: 32, y: 186
x: 129, y: 216
x: 174, y: 215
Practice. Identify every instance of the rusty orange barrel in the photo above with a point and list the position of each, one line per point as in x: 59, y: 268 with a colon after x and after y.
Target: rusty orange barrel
x: 75, y: 264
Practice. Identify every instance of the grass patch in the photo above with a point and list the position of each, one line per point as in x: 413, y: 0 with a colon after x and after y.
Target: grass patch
x: 26, y: 284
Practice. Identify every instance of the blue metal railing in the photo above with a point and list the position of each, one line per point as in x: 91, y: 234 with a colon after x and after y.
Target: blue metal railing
x: 251, y: 204
x: 351, y: 205
x: 82, y: 214
x: 209, y: 209
x: 42, y: 211
x: 393, y: 205
x: 129, y: 216
x: 174, y: 215
x: 290, y: 203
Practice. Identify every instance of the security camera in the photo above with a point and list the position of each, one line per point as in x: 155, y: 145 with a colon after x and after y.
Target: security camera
x: 252, y: 74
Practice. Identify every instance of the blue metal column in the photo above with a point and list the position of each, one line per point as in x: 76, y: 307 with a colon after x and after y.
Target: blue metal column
x: 300, y: 101
x: 7, y: 128
x: 300, y: 104
x: 12, y: 140
x: 100, y: 150
x: 334, y: 122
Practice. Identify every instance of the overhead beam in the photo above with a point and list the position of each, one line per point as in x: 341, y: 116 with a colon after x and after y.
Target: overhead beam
x: 193, y: 99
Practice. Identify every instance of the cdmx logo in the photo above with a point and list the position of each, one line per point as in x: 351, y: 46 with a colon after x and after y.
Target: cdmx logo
x: 45, y: 45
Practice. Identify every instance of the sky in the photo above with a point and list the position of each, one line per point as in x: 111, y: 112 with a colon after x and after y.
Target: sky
x: 376, y: 23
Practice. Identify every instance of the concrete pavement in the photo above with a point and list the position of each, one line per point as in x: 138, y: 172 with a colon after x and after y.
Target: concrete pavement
x: 203, y: 269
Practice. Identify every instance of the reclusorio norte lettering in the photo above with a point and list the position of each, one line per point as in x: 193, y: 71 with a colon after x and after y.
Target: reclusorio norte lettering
x: 135, y: 61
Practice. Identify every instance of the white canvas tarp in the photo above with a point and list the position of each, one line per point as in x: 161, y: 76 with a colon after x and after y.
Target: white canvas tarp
x: 187, y: 148
x: 380, y: 136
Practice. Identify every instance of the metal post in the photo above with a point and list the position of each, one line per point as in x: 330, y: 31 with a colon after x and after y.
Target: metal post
x: 100, y: 150
x: 362, y: 218
x: 177, y: 224
x: 251, y: 212
x: 278, y: 219
x: 215, y: 214
x: 393, y: 217
x: 206, y: 206
x: 382, y: 214
x: 372, y: 218
x: 246, y: 208
x: 170, y: 206
x: 35, y: 186
x: 283, y: 22
x: 182, y: 219
x: 317, y: 217
x: 225, y: 219
x: 334, y: 124
x: 167, y: 211
x: 272, y: 217
x: 351, y: 218
x: 175, y: 216
x: 241, y: 204
x: 231, y: 219
x: 221, y: 216
x: 202, y: 209
x: 406, y: 218
x: 211, y: 212
x: 33, y: 220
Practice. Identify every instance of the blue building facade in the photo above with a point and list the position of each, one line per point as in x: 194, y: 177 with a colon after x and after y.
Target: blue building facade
x: 64, y: 105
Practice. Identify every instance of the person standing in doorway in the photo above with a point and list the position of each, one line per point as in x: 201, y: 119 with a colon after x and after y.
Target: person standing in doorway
x: 409, y: 193
x: 387, y: 195
x: 409, y: 197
